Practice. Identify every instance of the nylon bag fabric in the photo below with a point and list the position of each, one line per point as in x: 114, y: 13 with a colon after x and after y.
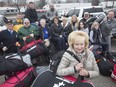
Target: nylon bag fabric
x: 21, y: 79
x: 111, y: 56
x: 52, y: 80
x: 34, y: 48
x: 13, y: 62
x: 113, y: 75
x: 105, y: 66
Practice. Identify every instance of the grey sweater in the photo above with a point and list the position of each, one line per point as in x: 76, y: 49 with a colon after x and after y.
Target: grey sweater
x: 107, y: 26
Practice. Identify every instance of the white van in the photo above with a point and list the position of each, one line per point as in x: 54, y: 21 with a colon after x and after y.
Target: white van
x: 79, y: 12
x: 8, y: 10
x: 2, y: 24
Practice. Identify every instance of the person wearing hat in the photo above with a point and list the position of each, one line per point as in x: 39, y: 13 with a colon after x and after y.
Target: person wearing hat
x: 27, y: 32
x: 85, y: 17
x: 8, y: 38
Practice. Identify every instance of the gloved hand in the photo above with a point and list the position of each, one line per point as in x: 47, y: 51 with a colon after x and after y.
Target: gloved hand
x: 4, y: 48
x: 31, y: 35
x: 24, y: 38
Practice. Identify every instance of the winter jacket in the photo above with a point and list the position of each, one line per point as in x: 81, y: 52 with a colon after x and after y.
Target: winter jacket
x: 66, y: 29
x: 25, y: 32
x: 51, y: 14
x: 107, y: 26
x: 56, y: 30
x: 96, y: 36
x: 31, y: 14
x: 41, y: 33
x: 9, y: 40
x: 67, y: 63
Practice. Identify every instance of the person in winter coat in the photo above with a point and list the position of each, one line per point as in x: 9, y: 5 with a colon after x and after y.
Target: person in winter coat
x: 85, y: 17
x: 78, y: 44
x: 74, y: 23
x: 27, y: 32
x: 107, y: 25
x: 57, y: 37
x: 96, y: 36
x: 66, y: 29
x: 44, y: 32
x: 82, y: 27
x: 31, y: 13
x: 9, y: 38
x: 18, y: 23
x: 52, y: 12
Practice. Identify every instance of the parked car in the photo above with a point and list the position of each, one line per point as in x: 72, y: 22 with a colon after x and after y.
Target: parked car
x: 79, y: 12
x: 40, y: 13
x: 2, y: 24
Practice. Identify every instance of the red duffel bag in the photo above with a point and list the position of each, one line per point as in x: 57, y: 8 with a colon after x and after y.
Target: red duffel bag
x: 113, y: 75
x: 21, y: 79
x: 34, y: 48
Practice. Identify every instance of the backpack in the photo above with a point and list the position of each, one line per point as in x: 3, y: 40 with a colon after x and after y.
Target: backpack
x: 55, y: 60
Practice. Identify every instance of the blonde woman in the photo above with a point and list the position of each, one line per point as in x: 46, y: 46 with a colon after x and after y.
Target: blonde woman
x: 95, y: 33
x: 96, y: 36
x: 78, y: 44
x: 74, y: 23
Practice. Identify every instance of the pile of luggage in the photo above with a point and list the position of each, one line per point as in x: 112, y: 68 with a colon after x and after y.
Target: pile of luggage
x: 106, y: 61
x: 19, y: 68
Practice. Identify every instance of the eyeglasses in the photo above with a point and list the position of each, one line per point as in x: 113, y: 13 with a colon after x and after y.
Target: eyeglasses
x: 26, y: 22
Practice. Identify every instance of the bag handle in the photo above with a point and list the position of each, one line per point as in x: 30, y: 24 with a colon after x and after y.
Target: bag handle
x: 80, y: 78
x: 76, y: 57
x: 73, y: 55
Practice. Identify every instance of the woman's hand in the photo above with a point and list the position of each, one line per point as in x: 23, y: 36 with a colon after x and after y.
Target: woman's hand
x: 84, y: 72
x: 78, y: 67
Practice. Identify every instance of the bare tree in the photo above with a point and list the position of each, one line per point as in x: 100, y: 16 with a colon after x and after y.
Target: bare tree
x: 19, y: 3
x: 95, y: 2
x: 2, y: 4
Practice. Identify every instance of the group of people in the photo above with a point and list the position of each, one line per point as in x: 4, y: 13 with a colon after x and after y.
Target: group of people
x: 73, y: 36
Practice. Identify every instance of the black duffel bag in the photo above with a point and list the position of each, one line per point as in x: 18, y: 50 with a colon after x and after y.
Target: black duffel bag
x: 48, y: 79
x: 13, y: 62
x: 34, y: 48
x: 105, y: 66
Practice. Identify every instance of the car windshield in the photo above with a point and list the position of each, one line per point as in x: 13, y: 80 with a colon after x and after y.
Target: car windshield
x: 41, y: 13
x: 93, y: 10
x: 1, y: 20
x: 73, y: 12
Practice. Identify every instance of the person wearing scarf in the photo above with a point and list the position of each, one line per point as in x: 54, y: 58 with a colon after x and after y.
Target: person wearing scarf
x: 78, y: 44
